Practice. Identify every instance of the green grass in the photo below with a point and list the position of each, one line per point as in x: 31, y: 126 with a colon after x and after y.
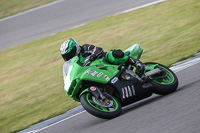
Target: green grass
x: 10, y: 7
x: 31, y: 84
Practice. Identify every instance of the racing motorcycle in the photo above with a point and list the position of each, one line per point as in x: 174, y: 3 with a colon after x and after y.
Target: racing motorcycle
x: 103, y: 88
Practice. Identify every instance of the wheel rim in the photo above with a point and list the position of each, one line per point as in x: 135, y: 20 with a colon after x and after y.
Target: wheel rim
x: 101, y: 108
x: 167, y: 80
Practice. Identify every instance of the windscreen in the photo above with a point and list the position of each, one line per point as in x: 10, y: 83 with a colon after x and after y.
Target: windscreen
x: 66, y: 68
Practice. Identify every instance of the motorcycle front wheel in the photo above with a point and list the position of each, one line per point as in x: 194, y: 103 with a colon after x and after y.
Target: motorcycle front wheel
x: 106, y: 109
x: 165, y: 85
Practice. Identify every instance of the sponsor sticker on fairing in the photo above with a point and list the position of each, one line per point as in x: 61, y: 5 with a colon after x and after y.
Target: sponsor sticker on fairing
x: 88, y: 72
x: 99, y: 75
x: 94, y: 73
x: 133, y: 90
x: 126, y: 91
x: 129, y: 91
x: 114, y: 80
x: 123, y: 93
x: 106, y: 77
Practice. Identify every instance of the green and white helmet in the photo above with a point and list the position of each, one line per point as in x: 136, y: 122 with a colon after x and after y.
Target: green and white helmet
x: 69, y: 49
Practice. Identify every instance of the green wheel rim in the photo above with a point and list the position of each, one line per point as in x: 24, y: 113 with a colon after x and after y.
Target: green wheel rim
x: 165, y: 81
x: 98, y: 107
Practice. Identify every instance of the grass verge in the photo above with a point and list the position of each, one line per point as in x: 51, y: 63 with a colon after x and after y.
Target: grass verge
x: 31, y: 84
x: 10, y: 7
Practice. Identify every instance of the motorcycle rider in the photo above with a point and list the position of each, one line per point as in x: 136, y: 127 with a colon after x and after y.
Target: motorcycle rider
x: 71, y: 48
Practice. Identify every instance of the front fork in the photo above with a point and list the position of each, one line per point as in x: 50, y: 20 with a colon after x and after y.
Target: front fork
x: 95, y: 91
x: 152, y: 70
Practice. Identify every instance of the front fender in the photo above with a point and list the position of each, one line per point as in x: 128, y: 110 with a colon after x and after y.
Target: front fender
x: 149, y: 67
x: 86, y: 90
x: 96, y: 92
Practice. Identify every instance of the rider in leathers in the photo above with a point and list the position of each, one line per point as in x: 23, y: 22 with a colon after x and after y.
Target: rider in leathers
x: 71, y: 48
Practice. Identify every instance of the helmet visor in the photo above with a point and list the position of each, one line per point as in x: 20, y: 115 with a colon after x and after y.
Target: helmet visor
x: 69, y: 55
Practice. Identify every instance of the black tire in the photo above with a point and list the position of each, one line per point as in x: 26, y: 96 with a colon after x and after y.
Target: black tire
x: 164, y: 89
x: 99, y: 113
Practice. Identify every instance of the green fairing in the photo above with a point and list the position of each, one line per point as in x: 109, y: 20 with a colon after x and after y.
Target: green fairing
x: 82, y: 60
x: 150, y: 67
x: 99, y: 71
x: 86, y: 90
x: 78, y: 74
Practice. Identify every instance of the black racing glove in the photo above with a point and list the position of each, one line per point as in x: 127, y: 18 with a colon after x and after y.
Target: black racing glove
x: 89, y: 59
x: 139, y: 65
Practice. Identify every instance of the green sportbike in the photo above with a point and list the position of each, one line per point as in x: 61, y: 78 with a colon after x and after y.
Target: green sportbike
x: 103, y: 88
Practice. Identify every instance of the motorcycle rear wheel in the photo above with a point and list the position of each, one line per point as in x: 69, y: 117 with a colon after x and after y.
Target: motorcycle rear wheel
x: 164, y: 86
x: 94, y: 108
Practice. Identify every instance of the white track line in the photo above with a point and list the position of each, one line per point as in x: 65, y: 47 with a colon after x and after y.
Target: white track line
x: 185, y: 65
x: 55, y: 2
x: 142, y: 6
x: 30, y: 10
x: 34, y: 131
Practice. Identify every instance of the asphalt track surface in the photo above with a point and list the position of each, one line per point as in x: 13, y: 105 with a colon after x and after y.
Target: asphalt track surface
x: 61, y: 15
x: 178, y: 112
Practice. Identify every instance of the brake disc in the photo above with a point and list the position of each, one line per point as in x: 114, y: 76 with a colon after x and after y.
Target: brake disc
x: 107, y: 103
